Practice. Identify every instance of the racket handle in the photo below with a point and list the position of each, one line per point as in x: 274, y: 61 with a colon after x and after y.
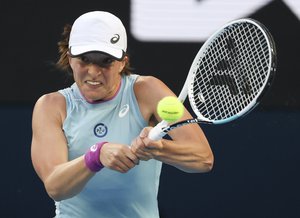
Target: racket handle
x: 156, y: 133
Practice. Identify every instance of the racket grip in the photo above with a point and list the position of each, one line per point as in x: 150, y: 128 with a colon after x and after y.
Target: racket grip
x: 156, y: 133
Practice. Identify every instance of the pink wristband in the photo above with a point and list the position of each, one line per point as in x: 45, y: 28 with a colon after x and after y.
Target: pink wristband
x: 92, y: 157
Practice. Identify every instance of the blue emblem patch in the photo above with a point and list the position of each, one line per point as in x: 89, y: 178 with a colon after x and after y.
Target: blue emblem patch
x: 100, y: 130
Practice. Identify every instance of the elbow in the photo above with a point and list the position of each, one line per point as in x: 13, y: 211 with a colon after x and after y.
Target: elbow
x: 208, y: 163
x: 206, y: 160
x: 55, y: 196
x: 56, y: 193
x: 203, y: 164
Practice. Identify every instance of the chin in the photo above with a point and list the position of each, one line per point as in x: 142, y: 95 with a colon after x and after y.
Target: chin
x: 92, y: 98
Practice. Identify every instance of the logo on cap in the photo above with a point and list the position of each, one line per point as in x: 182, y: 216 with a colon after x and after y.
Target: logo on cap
x: 115, y: 39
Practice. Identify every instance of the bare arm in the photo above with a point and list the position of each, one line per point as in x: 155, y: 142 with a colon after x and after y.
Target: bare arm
x: 62, y: 178
x: 188, y: 150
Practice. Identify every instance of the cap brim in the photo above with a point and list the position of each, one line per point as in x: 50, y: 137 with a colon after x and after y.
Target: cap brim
x: 78, y: 50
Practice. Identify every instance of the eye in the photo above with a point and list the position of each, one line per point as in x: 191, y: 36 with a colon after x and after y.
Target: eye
x: 106, y: 62
x: 85, y: 59
x: 97, y: 58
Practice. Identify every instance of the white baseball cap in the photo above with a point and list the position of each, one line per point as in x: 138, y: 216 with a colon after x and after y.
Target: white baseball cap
x: 98, y: 31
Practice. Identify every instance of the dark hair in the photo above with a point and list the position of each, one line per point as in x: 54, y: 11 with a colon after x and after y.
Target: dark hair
x: 63, y: 48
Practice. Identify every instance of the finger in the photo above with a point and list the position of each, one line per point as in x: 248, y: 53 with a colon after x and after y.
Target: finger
x: 144, y: 155
x: 144, y: 133
x: 133, y: 158
x: 121, y: 166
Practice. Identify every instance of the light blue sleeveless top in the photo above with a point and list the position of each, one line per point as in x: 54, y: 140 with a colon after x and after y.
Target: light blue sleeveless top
x: 109, y: 194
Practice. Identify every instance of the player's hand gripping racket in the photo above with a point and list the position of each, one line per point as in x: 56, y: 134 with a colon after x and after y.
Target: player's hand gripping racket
x: 228, y: 76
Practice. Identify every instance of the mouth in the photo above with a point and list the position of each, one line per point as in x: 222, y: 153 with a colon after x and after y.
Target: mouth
x: 94, y: 83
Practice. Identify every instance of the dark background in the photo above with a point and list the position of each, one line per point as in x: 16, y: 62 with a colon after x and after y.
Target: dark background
x: 256, y: 158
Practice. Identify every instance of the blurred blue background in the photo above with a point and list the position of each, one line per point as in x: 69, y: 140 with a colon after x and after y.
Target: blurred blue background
x: 256, y: 158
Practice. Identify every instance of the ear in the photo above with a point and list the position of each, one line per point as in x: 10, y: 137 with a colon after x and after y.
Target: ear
x: 69, y: 57
x: 123, y: 63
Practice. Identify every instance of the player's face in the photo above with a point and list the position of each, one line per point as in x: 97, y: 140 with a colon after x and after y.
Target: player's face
x: 97, y: 78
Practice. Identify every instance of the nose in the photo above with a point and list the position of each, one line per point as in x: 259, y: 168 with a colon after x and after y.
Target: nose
x: 94, y: 69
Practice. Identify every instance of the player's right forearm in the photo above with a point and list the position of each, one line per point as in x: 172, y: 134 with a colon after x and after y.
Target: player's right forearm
x: 67, y: 179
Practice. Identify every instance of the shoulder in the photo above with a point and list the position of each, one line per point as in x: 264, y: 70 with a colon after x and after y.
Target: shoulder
x: 150, y: 85
x: 51, y: 104
x: 149, y: 91
x: 50, y: 98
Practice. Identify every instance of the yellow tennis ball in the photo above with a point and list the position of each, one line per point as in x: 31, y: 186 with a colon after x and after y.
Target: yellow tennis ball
x: 170, y: 109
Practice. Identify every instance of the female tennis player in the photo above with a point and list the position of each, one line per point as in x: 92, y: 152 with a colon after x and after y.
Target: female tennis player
x: 89, y: 144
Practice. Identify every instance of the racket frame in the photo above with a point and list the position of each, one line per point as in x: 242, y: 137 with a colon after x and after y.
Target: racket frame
x: 264, y: 88
x: 162, y: 128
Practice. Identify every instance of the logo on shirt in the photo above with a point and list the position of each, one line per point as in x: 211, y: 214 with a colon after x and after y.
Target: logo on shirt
x: 100, y: 130
x: 124, y: 110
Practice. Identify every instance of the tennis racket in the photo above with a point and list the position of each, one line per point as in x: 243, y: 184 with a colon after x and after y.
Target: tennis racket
x: 229, y: 75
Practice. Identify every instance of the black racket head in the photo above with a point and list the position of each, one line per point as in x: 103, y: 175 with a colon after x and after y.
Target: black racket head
x: 232, y: 71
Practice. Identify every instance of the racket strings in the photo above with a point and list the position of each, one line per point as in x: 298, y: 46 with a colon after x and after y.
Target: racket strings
x: 231, y: 73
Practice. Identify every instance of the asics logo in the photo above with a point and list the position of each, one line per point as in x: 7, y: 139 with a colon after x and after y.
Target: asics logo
x: 93, y: 148
x: 115, y: 39
x: 124, y: 110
